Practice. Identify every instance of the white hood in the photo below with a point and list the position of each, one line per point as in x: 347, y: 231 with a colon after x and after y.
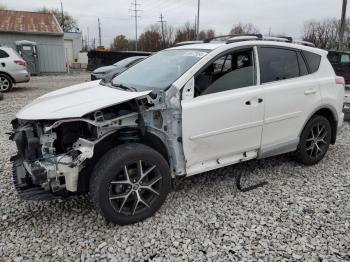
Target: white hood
x: 75, y: 101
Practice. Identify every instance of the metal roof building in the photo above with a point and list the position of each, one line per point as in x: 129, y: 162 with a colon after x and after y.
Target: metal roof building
x: 41, y: 28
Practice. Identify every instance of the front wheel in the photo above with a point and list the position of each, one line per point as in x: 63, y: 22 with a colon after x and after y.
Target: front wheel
x: 130, y: 183
x: 314, y: 141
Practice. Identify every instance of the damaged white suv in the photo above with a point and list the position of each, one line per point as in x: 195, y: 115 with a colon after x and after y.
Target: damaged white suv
x: 180, y: 112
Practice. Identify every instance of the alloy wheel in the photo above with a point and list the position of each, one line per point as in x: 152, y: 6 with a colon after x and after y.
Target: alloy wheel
x: 316, y: 142
x: 135, y: 188
x: 4, y: 84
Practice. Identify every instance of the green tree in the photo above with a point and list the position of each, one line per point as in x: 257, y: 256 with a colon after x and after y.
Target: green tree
x: 120, y: 43
x: 67, y: 22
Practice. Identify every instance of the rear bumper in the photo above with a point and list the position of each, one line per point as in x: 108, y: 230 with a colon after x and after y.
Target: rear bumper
x: 21, y: 76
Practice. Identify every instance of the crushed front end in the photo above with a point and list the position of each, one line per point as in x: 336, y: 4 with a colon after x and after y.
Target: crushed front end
x: 46, y: 167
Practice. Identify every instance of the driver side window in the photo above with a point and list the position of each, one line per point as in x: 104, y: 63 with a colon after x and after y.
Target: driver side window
x: 231, y: 71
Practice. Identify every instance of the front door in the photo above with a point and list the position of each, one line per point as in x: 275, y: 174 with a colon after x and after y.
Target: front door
x: 222, y: 123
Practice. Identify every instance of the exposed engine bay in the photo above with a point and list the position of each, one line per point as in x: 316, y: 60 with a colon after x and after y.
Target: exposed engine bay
x: 56, y: 156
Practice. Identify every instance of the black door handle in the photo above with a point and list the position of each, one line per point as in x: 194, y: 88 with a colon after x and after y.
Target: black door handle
x: 249, y: 103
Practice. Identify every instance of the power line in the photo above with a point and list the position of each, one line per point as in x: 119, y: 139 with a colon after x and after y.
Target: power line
x: 162, y: 22
x: 136, y: 16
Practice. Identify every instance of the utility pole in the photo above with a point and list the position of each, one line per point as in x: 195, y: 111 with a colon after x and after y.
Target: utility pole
x: 199, y: 7
x: 136, y: 16
x: 62, y: 17
x: 88, y: 39
x: 162, y: 22
x: 99, y: 32
x: 342, y: 25
x: 195, y: 25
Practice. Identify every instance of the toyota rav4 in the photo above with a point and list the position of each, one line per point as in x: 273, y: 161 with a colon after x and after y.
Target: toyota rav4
x: 183, y: 111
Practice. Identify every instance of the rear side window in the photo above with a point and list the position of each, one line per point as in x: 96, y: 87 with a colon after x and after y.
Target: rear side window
x: 277, y: 64
x: 313, y: 61
x: 3, y: 54
x: 302, y: 65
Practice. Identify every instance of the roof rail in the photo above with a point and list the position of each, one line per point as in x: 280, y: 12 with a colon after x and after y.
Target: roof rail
x: 287, y: 39
x: 247, y: 37
x: 300, y: 42
x: 208, y: 40
x: 189, y: 43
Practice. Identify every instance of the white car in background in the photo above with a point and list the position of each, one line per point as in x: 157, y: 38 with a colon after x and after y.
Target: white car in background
x: 183, y: 111
x: 13, y: 69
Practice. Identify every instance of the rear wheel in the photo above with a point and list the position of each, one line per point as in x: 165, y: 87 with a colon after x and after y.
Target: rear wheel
x: 5, y: 83
x: 314, y: 141
x: 130, y: 183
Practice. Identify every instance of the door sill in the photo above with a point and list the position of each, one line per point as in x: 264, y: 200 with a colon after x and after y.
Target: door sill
x: 220, y: 162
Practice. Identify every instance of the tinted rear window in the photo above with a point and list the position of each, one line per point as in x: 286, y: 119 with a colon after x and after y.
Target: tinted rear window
x: 278, y: 64
x: 3, y: 54
x: 302, y: 65
x: 313, y: 61
x: 333, y: 58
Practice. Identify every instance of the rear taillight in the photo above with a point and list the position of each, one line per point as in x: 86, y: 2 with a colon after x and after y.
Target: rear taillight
x: 20, y: 62
x: 339, y: 80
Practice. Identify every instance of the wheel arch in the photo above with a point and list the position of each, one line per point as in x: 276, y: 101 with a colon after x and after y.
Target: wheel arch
x: 8, y: 75
x: 116, y: 139
x: 330, y: 113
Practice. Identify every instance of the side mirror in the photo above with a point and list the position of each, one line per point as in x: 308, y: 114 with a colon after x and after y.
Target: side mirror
x: 188, y: 90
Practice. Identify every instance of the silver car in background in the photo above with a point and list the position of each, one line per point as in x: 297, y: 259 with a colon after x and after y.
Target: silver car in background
x: 13, y: 69
x: 115, y: 69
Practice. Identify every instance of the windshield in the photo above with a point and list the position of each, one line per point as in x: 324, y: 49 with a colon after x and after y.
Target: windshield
x: 160, y: 70
x: 126, y: 61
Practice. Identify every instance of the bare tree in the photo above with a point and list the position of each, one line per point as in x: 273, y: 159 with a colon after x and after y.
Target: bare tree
x: 69, y: 23
x: 151, y: 39
x: 242, y: 28
x: 205, y: 34
x: 325, y: 34
x: 185, y: 33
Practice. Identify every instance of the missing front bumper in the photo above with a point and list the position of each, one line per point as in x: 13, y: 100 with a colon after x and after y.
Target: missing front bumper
x: 24, y: 186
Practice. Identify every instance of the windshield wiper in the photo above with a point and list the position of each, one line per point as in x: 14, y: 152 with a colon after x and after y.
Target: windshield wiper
x: 121, y: 86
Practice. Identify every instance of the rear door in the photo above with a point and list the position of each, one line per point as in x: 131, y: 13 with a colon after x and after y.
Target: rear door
x: 291, y: 93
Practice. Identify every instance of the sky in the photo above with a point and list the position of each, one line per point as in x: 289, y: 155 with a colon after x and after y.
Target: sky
x: 281, y: 16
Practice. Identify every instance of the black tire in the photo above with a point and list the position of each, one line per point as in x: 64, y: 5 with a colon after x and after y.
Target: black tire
x: 109, y: 182
x: 6, y: 83
x: 314, y: 141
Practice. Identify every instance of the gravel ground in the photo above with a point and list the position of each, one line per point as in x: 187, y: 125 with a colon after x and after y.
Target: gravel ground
x: 302, y: 214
